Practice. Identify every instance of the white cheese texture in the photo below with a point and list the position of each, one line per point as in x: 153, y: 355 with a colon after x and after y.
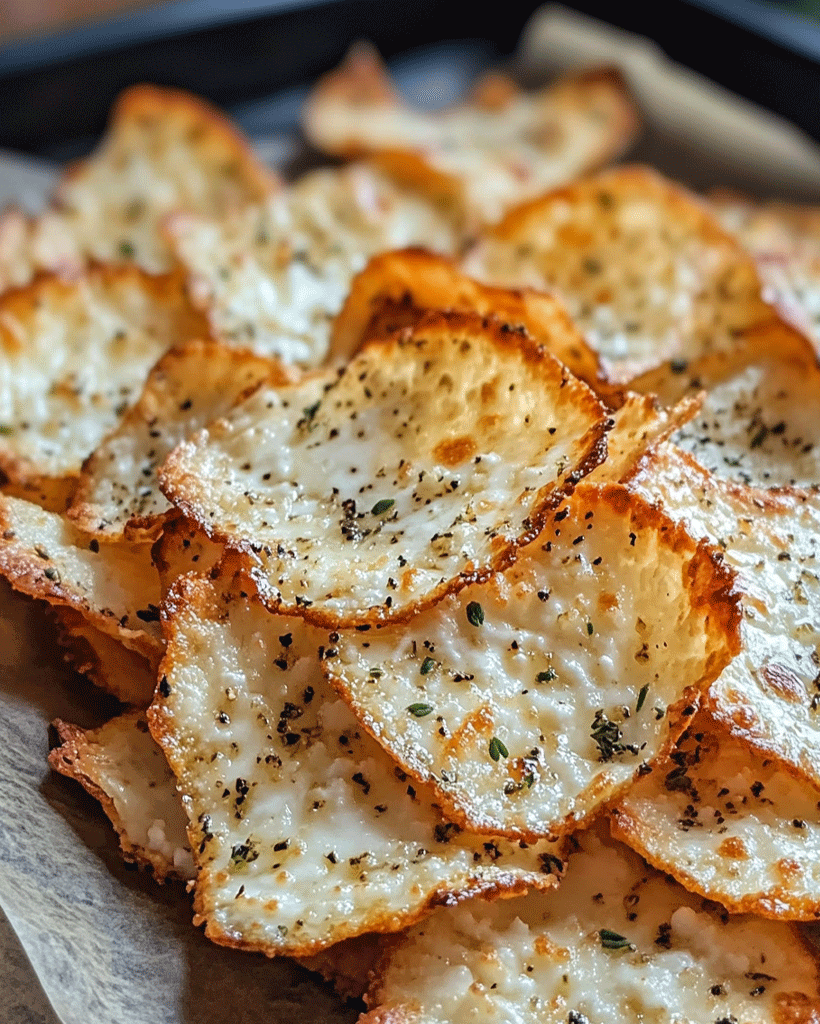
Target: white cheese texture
x: 114, y: 586
x: 732, y: 825
x: 643, y: 269
x: 303, y: 830
x: 431, y: 456
x: 769, y: 695
x: 542, y: 960
x: 272, y: 277
x: 760, y: 426
x: 519, y: 698
x: 76, y: 354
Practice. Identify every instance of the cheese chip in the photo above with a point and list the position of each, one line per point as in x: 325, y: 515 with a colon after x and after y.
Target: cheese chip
x: 437, y: 452
x: 118, y: 494
x: 396, y: 287
x: 616, y: 942
x: 303, y: 832
x: 76, y: 354
x: 114, y: 586
x: 728, y: 824
x: 759, y: 423
x: 102, y: 658
x: 532, y: 699
x: 500, y: 147
x: 165, y: 150
x: 183, y: 547
x: 642, y: 265
x: 120, y: 765
x: 785, y: 240
x: 272, y: 277
x: 769, y: 695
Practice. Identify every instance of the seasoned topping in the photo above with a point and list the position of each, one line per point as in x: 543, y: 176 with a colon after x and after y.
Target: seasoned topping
x: 531, y: 725
x: 311, y: 836
x: 298, y: 495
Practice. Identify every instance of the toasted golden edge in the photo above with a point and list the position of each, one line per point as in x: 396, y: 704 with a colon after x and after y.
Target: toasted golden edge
x: 140, y: 101
x: 757, y: 501
x: 396, y: 288
x: 540, y: 364
x: 362, y: 80
x: 204, y: 597
x: 76, y: 745
x: 780, y: 336
x: 680, y: 204
x: 776, y: 904
x: 640, y: 425
x: 793, y: 1007
x: 26, y: 576
x: 349, y: 966
x: 21, y: 304
x: 712, y: 586
x: 100, y: 657
x: 86, y: 514
x: 169, y: 548
x: 51, y: 493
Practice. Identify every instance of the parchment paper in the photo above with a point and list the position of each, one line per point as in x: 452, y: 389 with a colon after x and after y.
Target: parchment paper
x: 105, y: 943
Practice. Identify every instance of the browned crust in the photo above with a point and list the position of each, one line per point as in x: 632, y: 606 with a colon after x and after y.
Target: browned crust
x: 27, y: 576
x: 395, y: 290
x: 67, y: 759
x: 348, y: 965
x: 52, y: 493
x: 112, y: 666
x: 146, y: 102
x: 711, y: 585
x: 177, y: 534
x: 541, y: 364
x: 198, y: 593
x: 629, y: 178
x: 776, y: 904
x: 362, y: 81
x: 502, y: 888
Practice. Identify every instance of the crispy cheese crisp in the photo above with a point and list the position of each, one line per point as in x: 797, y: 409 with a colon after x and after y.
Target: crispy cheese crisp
x: 164, y: 151
x: 643, y: 266
x: 617, y: 941
x: 530, y: 700
x: 76, y: 354
x: 302, y: 831
x: 106, y: 661
x: 183, y: 547
x: 120, y: 765
x: 500, y: 147
x: 273, y: 276
x: 118, y: 495
x: 769, y: 695
x: 437, y: 452
x: 729, y: 824
x: 395, y: 289
x: 759, y: 423
x: 114, y: 586
x: 785, y: 240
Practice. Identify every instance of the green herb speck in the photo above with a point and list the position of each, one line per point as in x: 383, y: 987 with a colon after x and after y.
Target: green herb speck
x: 497, y: 749
x: 475, y: 615
x: 420, y: 710
x: 382, y: 506
x: 427, y: 666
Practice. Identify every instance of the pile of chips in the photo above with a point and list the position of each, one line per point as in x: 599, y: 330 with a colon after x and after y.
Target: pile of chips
x: 448, y: 524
